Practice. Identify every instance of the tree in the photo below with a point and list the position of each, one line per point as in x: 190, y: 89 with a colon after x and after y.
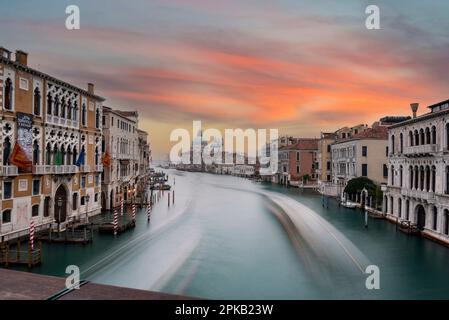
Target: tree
x: 356, y: 185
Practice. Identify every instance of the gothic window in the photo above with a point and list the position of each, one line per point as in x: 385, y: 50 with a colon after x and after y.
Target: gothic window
x: 49, y: 103
x: 75, y: 111
x: 56, y: 107
x: 35, y: 153
x: 434, y: 135
x: 97, y: 119
x: 8, y: 94
x: 83, y: 115
x: 48, y: 155
x: 37, y: 102
x: 63, y: 106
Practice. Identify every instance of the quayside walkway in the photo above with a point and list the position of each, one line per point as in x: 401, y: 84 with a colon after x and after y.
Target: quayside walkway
x: 18, y: 285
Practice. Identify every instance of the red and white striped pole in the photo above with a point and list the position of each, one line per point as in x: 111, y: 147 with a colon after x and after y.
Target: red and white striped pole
x: 115, y: 223
x: 134, y: 212
x: 32, y: 234
x: 121, y: 207
x: 149, y: 212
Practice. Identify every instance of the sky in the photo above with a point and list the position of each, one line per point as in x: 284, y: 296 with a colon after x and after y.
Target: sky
x: 299, y: 66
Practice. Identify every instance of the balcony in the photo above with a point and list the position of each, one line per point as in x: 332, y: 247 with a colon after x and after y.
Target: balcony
x: 98, y: 167
x: 51, y: 119
x: 422, y: 150
x: 418, y: 194
x: 85, y: 168
x: 9, y: 171
x: 42, y: 169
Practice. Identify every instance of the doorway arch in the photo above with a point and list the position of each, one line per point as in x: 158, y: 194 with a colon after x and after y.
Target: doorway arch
x: 60, y: 208
x: 420, y: 217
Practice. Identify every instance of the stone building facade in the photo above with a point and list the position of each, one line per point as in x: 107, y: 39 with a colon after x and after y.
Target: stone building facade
x: 54, y: 123
x: 418, y: 172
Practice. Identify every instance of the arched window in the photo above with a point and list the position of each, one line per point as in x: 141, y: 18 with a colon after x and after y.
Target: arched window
x: 56, y: 106
x: 55, y: 156
x: 410, y: 138
x: 35, y: 153
x: 37, y: 102
x: 410, y: 172
x: 392, y: 144
x: 63, y: 153
x: 69, y: 110
x: 416, y: 138
x: 83, y: 115
x: 63, y: 106
x: 446, y: 222
x: 446, y: 191
x: 6, y: 150
x: 421, y: 136
x: 97, y: 119
x: 69, y: 156
x: 407, y: 209
x: 427, y: 175
x: 421, y: 177
x: 447, y: 135
x: 75, y: 155
x: 75, y: 111
x: 416, y: 177
x: 427, y: 135
x: 400, y: 176
x: 392, y: 206
x: 49, y: 103
x: 434, y: 135
x: 434, y: 171
x: 399, y: 207
x: 435, y: 218
x: 8, y: 94
x: 48, y: 154
x: 96, y: 155
x: 401, y: 143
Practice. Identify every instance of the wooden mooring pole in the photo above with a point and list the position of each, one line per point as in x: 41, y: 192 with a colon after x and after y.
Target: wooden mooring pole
x: 168, y: 200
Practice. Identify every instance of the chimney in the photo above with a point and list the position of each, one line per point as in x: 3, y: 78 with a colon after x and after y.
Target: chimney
x: 5, y: 53
x: 22, y: 57
x: 414, y: 107
x: 90, y: 88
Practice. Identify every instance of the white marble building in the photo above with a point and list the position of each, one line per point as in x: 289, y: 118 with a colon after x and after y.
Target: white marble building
x: 418, y: 172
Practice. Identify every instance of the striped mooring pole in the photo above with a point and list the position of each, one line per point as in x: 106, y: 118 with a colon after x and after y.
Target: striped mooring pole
x: 115, y: 224
x: 32, y: 234
x: 121, y: 207
x: 134, y: 212
x: 149, y: 212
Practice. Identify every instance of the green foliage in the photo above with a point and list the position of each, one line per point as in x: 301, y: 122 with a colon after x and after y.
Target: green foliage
x: 356, y: 185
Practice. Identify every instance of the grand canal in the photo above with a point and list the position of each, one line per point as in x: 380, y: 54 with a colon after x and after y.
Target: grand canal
x: 226, y: 237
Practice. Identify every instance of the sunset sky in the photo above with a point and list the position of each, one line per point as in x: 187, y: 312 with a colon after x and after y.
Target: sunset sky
x: 300, y: 66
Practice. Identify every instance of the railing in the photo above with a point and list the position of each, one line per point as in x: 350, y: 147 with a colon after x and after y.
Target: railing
x: 422, y: 149
x: 419, y: 194
x: 42, y: 169
x: 85, y: 168
x: 9, y: 170
x: 51, y: 119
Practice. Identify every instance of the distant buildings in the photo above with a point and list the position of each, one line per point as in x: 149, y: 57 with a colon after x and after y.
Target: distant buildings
x: 297, y: 163
x: 418, y: 172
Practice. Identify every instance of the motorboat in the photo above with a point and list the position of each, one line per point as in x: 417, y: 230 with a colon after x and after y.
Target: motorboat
x: 349, y: 204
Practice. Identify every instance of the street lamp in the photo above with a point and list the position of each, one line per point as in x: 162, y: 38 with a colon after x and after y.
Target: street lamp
x: 59, y: 203
x: 87, y: 208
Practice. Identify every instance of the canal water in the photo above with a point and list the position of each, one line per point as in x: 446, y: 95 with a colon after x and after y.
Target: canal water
x: 229, y: 238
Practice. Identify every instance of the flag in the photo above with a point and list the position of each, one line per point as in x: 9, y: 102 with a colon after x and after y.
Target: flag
x: 106, y: 159
x: 80, y: 160
x: 19, y: 158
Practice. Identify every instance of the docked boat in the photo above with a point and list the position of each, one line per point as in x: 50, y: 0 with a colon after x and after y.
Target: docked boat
x: 349, y: 204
